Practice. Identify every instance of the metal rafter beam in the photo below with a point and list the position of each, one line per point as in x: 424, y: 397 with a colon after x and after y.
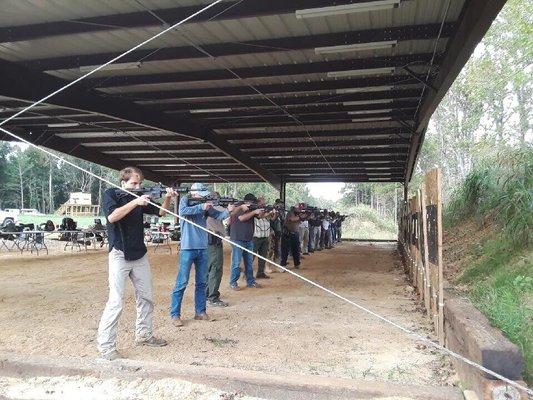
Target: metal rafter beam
x: 269, y: 134
x: 396, y: 95
x: 299, y: 151
x: 293, y: 123
x: 392, y: 179
x: 318, y: 115
x: 18, y: 82
x: 273, y: 146
x: 292, y: 87
x: 339, y: 117
x: 343, y: 161
x: 262, y: 71
x: 413, y: 32
x: 73, y: 148
x: 338, y: 170
x: 144, y: 19
x: 375, y: 161
x: 314, y: 108
x: 327, y: 142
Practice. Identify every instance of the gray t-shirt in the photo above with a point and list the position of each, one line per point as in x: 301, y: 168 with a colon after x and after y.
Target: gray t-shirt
x: 239, y: 230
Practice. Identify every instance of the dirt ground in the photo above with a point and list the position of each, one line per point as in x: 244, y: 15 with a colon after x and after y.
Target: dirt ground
x: 462, y: 245
x: 51, y: 305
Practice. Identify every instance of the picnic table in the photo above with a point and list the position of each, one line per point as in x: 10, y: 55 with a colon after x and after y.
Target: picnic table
x: 160, y: 238
x: 35, y: 240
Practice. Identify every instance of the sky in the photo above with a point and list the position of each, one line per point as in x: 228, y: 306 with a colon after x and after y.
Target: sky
x: 326, y: 190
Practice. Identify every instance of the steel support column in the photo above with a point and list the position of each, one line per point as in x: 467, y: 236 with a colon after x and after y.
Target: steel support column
x: 283, y: 191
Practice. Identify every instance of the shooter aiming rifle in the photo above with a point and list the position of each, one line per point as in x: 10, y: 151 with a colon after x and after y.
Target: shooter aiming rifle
x: 226, y: 201
x: 155, y: 192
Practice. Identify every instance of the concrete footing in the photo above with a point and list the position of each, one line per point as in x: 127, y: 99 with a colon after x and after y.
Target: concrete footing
x: 251, y: 383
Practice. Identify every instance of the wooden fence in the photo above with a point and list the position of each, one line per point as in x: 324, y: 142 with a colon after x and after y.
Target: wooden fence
x: 420, y: 242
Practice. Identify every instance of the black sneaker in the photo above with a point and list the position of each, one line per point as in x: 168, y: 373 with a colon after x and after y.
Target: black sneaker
x: 218, y: 303
x: 262, y: 276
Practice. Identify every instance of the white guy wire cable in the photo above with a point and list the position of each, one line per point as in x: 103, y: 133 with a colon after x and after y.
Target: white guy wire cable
x: 331, y: 292
x: 110, y: 61
x: 368, y: 311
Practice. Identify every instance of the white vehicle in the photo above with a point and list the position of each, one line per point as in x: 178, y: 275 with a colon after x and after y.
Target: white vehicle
x: 30, y: 211
x: 12, y: 211
x: 7, y: 214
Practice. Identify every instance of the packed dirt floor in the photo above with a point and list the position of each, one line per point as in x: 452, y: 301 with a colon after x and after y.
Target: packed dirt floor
x: 51, y: 305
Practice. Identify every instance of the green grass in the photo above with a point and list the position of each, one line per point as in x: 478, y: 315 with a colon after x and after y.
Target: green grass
x: 500, y: 187
x: 501, y: 287
x: 500, y: 280
x: 365, y: 222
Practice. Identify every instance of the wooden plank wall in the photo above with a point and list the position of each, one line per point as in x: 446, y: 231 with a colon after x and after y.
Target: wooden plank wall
x: 420, y: 242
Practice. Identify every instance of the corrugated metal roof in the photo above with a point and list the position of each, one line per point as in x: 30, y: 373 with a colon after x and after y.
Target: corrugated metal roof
x: 383, y: 142
x: 240, y: 30
x: 17, y: 12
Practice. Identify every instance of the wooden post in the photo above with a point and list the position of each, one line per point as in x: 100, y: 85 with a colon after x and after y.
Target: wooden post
x: 434, y: 199
x: 439, y: 247
x: 427, y: 292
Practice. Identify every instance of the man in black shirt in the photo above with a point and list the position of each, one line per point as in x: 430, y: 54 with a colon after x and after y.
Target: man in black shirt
x: 128, y: 258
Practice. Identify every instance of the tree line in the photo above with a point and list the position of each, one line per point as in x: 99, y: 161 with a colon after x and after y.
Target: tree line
x: 489, y: 107
x: 30, y: 178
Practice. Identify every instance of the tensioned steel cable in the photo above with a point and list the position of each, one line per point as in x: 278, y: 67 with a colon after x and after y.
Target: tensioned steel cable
x: 283, y: 109
x: 303, y: 278
x: 215, y: 60
x: 117, y: 58
x: 98, y: 68
x: 136, y: 138
x: 434, y: 55
x: 121, y: 131
x: 331, y: 292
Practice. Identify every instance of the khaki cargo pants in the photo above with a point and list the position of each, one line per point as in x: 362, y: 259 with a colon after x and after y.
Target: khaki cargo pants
x: 139, y: 273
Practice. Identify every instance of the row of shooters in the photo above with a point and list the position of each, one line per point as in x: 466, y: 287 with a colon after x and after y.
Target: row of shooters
x: 128, y: 253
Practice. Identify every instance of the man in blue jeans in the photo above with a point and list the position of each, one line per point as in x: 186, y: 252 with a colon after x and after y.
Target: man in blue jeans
x: 193, y: 250
x: 242, y: 233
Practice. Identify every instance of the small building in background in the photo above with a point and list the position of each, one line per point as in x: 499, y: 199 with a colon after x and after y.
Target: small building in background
x: 79, y: 204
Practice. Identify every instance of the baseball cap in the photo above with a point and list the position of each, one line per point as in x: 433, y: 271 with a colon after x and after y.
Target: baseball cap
x: 200, y: 189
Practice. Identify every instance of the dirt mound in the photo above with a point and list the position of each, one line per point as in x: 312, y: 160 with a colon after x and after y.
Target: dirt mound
x: 462, y: 245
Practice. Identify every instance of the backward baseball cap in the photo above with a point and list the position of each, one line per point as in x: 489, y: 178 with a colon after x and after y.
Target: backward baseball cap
x: 200, y: 189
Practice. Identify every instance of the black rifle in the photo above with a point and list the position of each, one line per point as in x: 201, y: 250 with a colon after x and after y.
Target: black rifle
x: 155, y: 192
x: 216, y: 201
x: 255, y: 206
x: 226, y: 201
